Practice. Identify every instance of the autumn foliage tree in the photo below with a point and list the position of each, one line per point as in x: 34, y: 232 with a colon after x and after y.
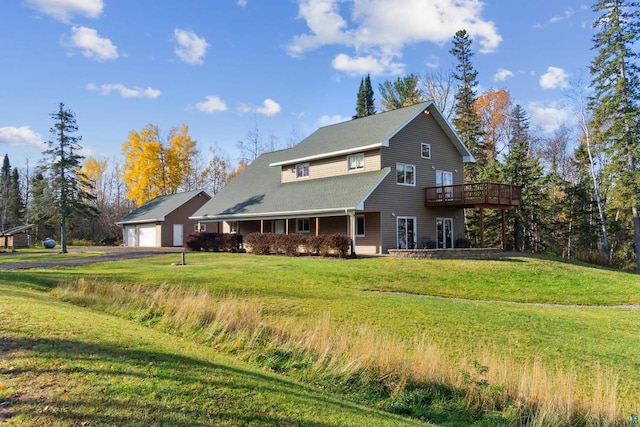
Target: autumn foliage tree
x: 153, y: 168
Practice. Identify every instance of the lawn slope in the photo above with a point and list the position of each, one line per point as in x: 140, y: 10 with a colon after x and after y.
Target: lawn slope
x: 66, y: 365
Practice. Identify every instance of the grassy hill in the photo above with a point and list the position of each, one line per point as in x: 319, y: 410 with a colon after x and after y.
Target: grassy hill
x: 456, y: 342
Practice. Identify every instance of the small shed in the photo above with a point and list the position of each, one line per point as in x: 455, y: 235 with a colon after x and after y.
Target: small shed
x: 163, y: 221
x: 16, y: 237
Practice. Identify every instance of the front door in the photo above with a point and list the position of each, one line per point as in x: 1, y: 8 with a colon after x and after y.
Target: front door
x: 178, y: 235
x: 407, y: 232
x: 444, y: 232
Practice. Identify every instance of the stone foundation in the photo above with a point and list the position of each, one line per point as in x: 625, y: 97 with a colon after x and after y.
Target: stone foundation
x: 474, y: 253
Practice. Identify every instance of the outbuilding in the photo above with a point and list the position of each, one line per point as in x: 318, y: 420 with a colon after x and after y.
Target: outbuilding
x: 163, y: 221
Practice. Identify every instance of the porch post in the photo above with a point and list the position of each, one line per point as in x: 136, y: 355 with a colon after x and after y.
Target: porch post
x: 481, y: 227
x: 262, y: 226
x: 504, y: 233
x: 352, y: 232
x: 317, y: 226
x: 286, y: 226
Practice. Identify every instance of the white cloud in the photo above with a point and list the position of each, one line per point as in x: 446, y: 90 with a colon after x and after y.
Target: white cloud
x: 554, y: 78
x: 502, y: 75
x: 549, y: 117
x: 63, y: 10
x: 21, y: 137
x: 211, y: 105
x: 242, y: 3
x: 328, y: 120
x: 191, y: 48
x: 269, y: 108
x: 365, y: 65
x: 372, y: 28
x: 567, y: 14
x: 433, y: 62
x: 91, y: 44
x: 125, y: 92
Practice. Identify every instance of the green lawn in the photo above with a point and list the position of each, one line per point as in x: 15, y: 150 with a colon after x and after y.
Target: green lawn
x: 66, y: 365
x: 493, y: 306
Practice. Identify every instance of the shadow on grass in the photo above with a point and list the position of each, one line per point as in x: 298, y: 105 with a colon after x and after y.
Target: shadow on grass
x: 143, y: 387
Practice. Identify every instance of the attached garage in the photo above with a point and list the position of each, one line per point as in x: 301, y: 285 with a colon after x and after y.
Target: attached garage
x: 164, y: 221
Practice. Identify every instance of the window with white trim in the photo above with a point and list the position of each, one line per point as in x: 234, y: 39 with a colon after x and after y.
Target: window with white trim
x: 360, y: 225
x: 200, y: 227
x: 302, y: 170
x: 425, y: 150
x: 303, y: 225
x: 405, y: 174
x: 233, y: 226
x: 355, y: 162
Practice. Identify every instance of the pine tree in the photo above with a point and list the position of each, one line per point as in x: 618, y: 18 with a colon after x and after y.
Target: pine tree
x: 63, y: 167
x: 365, y: 103
x: 521, y: 168
x: 5, y: 186
x: 616, y: 101
x: 466, y: 120
x: 16, y: 202
x: 403, y: 92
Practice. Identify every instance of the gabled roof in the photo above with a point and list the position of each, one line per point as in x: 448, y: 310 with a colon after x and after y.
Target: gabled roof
x: 258, y: 193
x: 16, y: 230
x: 366, y: 133
x: 158, y: 208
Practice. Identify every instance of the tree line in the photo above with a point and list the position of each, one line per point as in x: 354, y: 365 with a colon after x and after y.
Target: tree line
x: 580, y: 186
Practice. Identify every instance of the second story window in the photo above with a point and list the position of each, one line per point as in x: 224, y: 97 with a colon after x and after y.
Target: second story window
x: 425, y: 150
x: 302, y: 170
x: 355, y: 162
x: 405, y: 174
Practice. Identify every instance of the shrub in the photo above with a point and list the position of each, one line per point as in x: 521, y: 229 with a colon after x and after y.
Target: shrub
x: 314, y: 244
x: 231, y: 242
x: 214, y: 242
x: 260, y: 243
x: 461, y: 242
x: 338, y: 243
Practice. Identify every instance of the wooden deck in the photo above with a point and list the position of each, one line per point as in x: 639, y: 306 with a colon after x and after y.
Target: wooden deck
x: 474, y: 195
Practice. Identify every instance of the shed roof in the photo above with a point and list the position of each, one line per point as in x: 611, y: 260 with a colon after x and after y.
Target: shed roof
x: 157, y: 209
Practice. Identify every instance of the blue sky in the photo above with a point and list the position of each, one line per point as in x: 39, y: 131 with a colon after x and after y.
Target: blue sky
x: 223, y: 67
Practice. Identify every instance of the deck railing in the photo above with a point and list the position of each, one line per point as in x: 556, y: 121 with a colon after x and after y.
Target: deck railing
x: 474, y: 194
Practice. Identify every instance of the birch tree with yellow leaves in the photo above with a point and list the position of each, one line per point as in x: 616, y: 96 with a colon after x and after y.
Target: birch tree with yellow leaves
x: 153, y: 168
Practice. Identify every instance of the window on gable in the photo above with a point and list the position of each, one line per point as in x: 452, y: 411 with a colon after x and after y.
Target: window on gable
x: 425, y: 150
x: 355, y: 162
x: 405, y: 174
x: 303, y: 225
x: 359, y: 225
x: 302, y: 170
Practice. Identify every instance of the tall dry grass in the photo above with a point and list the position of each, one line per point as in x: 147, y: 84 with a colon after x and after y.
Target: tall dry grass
x: 530, y: 393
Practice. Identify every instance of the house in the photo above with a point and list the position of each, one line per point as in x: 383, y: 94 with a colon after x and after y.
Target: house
x: 163, y: 221
x: 16, y: 237
x: 365, y: 178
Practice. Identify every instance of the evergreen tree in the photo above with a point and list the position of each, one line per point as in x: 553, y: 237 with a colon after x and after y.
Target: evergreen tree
x: 41, y: 210
x: 521, y: 168
x: 404, y: 92
x: 365, y: 104
x: 466, y: 120
x: 5, y: 185
x: 16, y: 202
x: 63, y: 167
x: 616, y: 102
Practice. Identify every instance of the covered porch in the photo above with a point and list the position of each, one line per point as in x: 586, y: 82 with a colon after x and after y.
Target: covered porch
x: 481, y: 195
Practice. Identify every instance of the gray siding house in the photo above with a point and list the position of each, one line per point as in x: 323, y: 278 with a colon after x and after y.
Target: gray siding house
x: 365, y: 178
x: 163, y: 221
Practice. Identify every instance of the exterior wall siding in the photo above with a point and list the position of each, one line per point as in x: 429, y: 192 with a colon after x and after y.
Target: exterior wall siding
x: 180, y: 216
x: 393, y: 200
x: 334, y: 166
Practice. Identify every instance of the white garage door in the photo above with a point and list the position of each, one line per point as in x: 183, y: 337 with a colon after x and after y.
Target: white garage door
x: 147, y: 235
x: 130, y: 236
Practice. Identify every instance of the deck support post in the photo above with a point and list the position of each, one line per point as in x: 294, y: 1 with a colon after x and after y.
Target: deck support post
x: 504, y: 233
x: 481, y: 224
